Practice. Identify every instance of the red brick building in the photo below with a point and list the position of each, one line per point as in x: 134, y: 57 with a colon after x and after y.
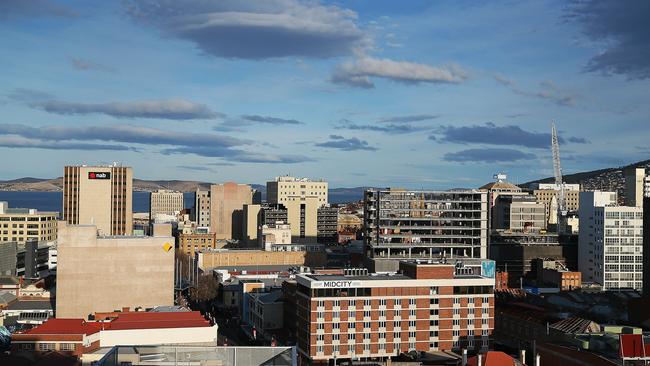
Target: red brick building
x: 429, y: 306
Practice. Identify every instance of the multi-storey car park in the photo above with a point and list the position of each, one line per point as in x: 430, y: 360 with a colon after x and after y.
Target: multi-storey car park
x: 430, y: 306
x: 401, y: 224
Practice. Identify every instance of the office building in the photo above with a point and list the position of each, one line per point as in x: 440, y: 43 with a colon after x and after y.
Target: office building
x: 190, y: 243
x: 226, y: 209
x: 430, y: 306
x: 100, y: 196
x: 250, y: 222
x: 273, y: 214
x: 401, y: 224
x: 30, y: 259
x: 202, y: 208
x: 98, y: 274
x: 634, y: 186
x: 610, y: 242
x: 327, y: 221
x: 646, y: 244
x: 302, y: 197
x: 165, y: 202
x: 22, y: 224
x: 500, y: 186
x: 547, y: 193
x: 519, y: 214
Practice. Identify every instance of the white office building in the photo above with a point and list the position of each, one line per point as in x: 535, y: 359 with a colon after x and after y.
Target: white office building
x: 610, y: 242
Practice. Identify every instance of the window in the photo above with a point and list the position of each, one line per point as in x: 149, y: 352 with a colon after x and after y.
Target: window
x: 398, y: 302
x: 433, y: 301
x: 366, y: 348
x: 66, y: 346
x: 396, y: 324
x: 456, y: 300
x: 46, y: 346
x: 485, y: 332
x: 366, y: 336
x: 412, y: 334
x: 366, y: 314
x: 382, y: 324
x: 470, y: 311
x: 320, y: 315
x: 320, y: 326
x: 351, y: 325
x: 336, y: 314
x: 320, y: 337
x: 382, y: 302
x: 382, y: 313
x: 457, y: 311
x: 433, y: 312
x: 336, y: 325
x: 336, y: 303
x: 336, y: 337
x: 456, y: 322
x: 366, y: 302
x: 335, y: 349
x: 366, y: 325
x: 485, y: 321
x: 411, y: 323
x: 412, y: 312
x: 412, y: 302
x: 456, y: 333
x: 319, y: 349
x: 321, y: 303
x: 433, y: 290
x: 433, y: 323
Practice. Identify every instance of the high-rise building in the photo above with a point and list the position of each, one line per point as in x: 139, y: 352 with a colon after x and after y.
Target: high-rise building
x: 634, y: 186
x: 430, y: 306
x: 401, y: 224
x: 646, y: 245
x: 327, y: 220
x: 250, y: 222
x: 202, y: 208
x: 610, y: 242
x: 101, y: 274
x: 302, y: 197
x: 100, y: 196
x: 165, y: 202
x: 22, y: 224
x: 226, y: 209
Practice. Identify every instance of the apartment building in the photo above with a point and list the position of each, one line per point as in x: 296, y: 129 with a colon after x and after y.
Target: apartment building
x: 202, y: 208
x: 401, y: 224
x: 431, y: 306
x: 100, y: 196
x: 610, y: 242
x: 327, y: 221
x: 227, y: 207
x: 20, y: 225
x: 165, y: 202
x: 302, y: 197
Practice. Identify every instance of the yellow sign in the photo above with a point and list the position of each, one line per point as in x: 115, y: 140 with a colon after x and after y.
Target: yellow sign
x: 167, y: 247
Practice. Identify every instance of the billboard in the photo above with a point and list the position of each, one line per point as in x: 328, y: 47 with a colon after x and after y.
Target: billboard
x: 488, y: 269
x: 99, y: 175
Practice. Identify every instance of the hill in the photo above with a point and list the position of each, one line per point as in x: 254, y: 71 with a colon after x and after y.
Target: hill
x: 609, y: 179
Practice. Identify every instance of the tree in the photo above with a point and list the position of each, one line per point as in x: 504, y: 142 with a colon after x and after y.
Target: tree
x: 205, y: 290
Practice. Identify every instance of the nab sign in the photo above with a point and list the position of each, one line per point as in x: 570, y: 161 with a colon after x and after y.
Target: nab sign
x: 99, y: 175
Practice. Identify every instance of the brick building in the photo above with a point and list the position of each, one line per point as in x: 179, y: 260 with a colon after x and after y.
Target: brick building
x: 430, y: 306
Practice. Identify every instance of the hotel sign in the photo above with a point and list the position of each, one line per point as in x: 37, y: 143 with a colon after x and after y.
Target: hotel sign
x: 99, y: 175
x: 336, y: 284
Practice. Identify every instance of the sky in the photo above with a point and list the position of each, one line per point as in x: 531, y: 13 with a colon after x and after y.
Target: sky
x: 417, y: 94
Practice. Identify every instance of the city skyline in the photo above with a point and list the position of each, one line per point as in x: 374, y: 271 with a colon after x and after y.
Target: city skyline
x: 362, y: 93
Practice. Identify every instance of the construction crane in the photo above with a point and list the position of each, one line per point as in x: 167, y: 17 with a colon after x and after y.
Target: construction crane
x: 557, y: 169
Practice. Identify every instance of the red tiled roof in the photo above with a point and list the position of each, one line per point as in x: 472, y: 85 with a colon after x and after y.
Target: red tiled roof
x: 124, y: 321
x: 632, y: 345
x: 65, y: 326
x: 137, y: 320
x: 492, y: 358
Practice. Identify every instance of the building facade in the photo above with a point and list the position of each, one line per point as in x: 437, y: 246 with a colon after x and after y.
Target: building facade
x: 99, y: 274
x: 278, y: 234
x: 190, y: 243
x: 100, y: 196
x: 302, y: 197
x: 431, y: 306
x: 202, y: 208
x: 226, y: 209
x: 634, y: 186
x: 327, y: 221
x: 21, y: 224
x: 519, y: 214
x: 165, y: 202
x: 401, y: 224
x: 610, y: 242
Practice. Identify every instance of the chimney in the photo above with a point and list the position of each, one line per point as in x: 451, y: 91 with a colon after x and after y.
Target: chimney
x: 522, y: 356
x: 538, y: 361
x: 464, y: 357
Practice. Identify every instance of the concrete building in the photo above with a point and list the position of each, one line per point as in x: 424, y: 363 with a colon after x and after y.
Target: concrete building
x: 251, y: 219
x: 98, y: 274
x: 191, y: 243
x: 100, y: 196
x: 634, y: 186
x: 500, y: 186
x: 22, y: 224
x: 519, y: 214
x: 166, y: 202
x: 310, y: 255
x: 327, y: 221
x: 202, y: 208
x: 431, y: 306
x: 555, y: 274
x: 610, y: 242
x: 302, y: 197
x: 266, y: 313
x: 548, y: 193
x: 226, y: 209
x: 401, y: 224
x: 279, y: 234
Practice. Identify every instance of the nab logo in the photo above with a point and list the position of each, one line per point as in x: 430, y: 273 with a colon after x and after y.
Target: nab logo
x: 99, y: 175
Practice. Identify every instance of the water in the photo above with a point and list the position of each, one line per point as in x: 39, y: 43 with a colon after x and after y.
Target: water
x: 52, y: 201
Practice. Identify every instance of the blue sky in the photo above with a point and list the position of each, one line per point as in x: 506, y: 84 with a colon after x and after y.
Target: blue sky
x: 376, y: 93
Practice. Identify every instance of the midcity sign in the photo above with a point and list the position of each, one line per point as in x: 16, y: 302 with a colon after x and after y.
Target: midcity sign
x: 335, y: 284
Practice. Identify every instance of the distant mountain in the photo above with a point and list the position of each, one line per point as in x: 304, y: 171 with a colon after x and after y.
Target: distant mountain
x: 609, y: 179
x: 336, y: 195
